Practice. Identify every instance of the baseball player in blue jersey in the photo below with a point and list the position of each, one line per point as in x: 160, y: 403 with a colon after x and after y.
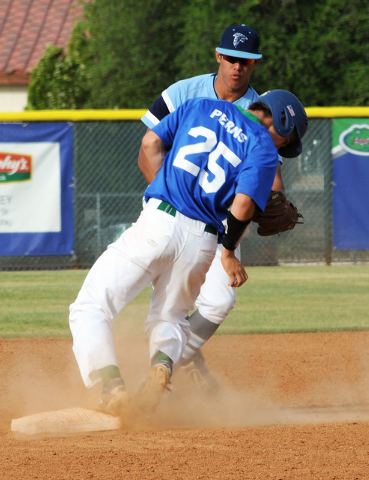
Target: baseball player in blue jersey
x: 220, y: 165
x: 237, y: 55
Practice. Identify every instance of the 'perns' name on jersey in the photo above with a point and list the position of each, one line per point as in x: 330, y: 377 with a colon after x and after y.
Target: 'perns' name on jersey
x: 229, y: 126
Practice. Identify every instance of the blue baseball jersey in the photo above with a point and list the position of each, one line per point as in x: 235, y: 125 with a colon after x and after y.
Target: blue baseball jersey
x: 215, y: 152
x: 179, y: 92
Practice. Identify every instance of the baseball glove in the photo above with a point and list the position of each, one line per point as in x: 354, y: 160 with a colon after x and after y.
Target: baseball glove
x: 279, y: 215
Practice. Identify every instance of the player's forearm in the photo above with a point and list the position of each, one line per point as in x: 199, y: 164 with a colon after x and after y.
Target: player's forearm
x: 239, y: 217
x: 151, y: 156
x: 278, y: 182
x: 243, y: 207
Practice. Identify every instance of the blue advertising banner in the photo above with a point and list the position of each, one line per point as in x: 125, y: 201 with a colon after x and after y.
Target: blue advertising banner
x: 36, y: 191
x: 351, y: 184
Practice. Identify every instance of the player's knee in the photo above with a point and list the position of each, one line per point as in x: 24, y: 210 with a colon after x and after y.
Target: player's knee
x: 216, y: 311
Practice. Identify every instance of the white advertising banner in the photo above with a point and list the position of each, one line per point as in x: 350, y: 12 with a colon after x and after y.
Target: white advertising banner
x: 32, y: 202
x: 36, y: 189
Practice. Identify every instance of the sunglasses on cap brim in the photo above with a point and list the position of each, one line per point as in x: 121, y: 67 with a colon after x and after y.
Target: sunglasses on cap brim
x: 242, y: 61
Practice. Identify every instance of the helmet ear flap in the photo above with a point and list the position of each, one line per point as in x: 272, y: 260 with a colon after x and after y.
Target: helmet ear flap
x: 283, y: 123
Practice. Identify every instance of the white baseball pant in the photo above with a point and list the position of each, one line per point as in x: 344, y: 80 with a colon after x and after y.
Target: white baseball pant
x: 216, y: 298
x: 172, y: 253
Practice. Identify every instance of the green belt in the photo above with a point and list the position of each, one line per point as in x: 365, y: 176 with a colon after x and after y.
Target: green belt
x: 167, y: 208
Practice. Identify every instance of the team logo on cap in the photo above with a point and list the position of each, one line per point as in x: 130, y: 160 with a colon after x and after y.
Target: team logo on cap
x: 239, y: 38
x: 291, y: 110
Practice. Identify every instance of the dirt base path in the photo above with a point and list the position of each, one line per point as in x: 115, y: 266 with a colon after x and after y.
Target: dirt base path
x: 292, y: 406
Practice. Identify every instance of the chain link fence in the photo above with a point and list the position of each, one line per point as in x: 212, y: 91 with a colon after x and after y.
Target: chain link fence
x: 108, y: 191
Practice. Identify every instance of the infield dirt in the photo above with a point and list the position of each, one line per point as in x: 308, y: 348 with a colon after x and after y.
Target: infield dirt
x: 292, y: 406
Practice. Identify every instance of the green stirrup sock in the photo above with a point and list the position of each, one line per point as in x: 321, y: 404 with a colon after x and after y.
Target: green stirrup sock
x: 160, y: 356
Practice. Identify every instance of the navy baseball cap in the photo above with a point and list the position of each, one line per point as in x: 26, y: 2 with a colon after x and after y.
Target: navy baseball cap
x: 241, y: 42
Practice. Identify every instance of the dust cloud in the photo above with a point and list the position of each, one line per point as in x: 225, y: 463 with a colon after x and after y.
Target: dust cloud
x: 296, y: 385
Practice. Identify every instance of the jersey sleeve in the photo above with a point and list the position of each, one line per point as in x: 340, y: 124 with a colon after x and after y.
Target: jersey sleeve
x: 257, y: 178
x: 168, y: 126
x: 168, y: 101
x: 178, y: 93
x: 156, y: 113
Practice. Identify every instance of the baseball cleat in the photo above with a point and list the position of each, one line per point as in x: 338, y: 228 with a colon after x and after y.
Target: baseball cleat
x: 197, y: 371
x: 114, y: 399
x: 153, y: 388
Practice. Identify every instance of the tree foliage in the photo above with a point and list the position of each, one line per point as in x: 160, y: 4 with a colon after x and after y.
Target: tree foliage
x: 59, y: 81
x: 316, y: 49
x: 126, y: 52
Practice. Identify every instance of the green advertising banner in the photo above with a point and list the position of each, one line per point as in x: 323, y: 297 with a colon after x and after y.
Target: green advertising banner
x: 350, y: 152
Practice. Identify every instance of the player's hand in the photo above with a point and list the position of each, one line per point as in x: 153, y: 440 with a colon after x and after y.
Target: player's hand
x: 234, y: 268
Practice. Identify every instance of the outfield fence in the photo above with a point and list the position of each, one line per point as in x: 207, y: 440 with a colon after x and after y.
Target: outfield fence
x: 108, y: 189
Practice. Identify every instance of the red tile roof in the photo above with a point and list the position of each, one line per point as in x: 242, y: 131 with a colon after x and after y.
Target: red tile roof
x: 26, y: 26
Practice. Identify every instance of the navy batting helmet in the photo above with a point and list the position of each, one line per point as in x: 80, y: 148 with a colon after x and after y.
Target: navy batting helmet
x: 288, y: 115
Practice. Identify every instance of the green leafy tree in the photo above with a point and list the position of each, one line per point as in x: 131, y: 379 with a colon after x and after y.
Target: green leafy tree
x: 59, y: 80
x: 120, y: 56
x: 126, y: 52
x: 315, y: 49
x: 134, y: 44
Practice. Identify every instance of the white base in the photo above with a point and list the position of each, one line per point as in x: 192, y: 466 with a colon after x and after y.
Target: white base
x: 69, y: 420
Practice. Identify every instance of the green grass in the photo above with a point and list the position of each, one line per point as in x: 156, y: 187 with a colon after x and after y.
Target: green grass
x: 301, y: 299
x: 275, y: 299
x: 35, y: 303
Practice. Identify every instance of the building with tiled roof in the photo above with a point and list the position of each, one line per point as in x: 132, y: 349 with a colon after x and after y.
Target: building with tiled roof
x: 26, y: 27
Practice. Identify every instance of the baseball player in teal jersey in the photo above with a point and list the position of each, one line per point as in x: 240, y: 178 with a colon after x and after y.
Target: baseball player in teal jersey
x: 220, y: 165
x: 237, y: 54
